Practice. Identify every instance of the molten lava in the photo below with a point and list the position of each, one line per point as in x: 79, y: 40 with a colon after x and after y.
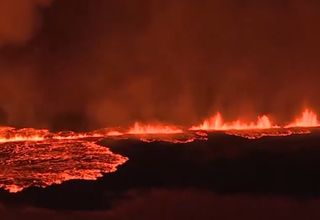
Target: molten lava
x: 261, y: 127
x: 41, y: 164
x: 9, y: 134
x: 308, y: 119
x: 153, y: 129
x: 216, y: 123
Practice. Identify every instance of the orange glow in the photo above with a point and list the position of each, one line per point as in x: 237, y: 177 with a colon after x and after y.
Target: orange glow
x: 216, y: 123
x: 307, y: 119
x: 153, y: 129
x: 114, y: 133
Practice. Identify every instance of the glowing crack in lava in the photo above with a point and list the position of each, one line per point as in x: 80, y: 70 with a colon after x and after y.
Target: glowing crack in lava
x: 30, y: 157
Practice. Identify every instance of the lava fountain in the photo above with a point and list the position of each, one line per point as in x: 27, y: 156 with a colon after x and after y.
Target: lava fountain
x: 153, y: 129
x: 216, y: 123
x: 307, y: 119
x: 263, y: 126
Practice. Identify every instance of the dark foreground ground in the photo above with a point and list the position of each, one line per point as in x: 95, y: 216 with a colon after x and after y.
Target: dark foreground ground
x: 226, y: 177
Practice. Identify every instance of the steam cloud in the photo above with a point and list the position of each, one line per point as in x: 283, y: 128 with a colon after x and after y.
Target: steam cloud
x: 98, y: 63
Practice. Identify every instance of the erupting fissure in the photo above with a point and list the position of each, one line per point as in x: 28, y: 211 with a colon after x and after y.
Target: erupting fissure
x: 308, y: 119
x: 216, y: 123
x: 56, y: 156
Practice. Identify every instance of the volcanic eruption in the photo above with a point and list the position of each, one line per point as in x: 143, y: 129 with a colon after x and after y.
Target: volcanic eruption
x: 102, y: 101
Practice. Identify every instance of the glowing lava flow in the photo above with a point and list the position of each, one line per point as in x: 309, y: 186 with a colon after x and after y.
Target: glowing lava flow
x: 31, y: 157
x: 307, y: 119
x: 41, y: 164
x: 216, y: 123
